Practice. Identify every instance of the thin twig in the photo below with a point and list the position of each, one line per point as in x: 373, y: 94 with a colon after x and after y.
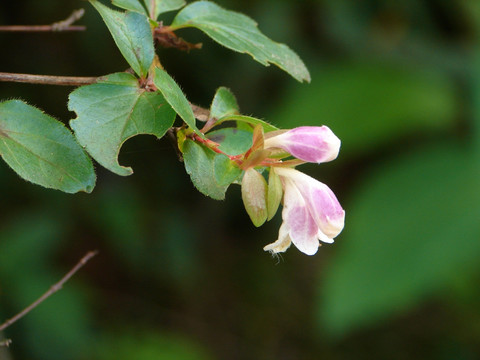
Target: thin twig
x: 53, y: 289
x: 48, y: 79
x: 64, y: 25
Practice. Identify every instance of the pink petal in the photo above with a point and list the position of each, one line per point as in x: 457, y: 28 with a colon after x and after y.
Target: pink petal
x: 325, y: 209
x: 303, y: 229
x: 321, y: 202
x: 315, y: 144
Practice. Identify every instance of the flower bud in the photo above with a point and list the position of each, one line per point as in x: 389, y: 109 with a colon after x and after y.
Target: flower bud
x: 254, y: 195
x: 314, y: 144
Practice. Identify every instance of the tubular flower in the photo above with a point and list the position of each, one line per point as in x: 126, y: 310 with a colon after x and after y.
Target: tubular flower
x: 311, y: 212
x: 314, y: 144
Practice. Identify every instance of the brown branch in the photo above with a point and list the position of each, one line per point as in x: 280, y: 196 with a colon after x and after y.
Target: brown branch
x: 53, y: 289
x: 64, y: 25
x: 200, y: 113
x: 48, y: 79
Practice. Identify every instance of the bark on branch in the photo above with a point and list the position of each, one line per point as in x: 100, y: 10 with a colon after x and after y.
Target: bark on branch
x: 48, y: 79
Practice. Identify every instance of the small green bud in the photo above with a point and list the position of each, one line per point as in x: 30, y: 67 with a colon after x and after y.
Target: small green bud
x: 254, y: 195
x: 275, y: 192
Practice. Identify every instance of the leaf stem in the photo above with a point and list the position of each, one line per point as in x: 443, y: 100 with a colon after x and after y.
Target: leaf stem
x: 64, y: 25
x: 48, y: 79
x: 53, y: 289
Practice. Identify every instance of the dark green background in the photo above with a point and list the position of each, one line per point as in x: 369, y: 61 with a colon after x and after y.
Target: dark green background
x: 180, y: 276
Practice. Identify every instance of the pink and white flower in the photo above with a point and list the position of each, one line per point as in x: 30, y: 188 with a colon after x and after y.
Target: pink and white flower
x: 311, y: 212
x: 315, y: 144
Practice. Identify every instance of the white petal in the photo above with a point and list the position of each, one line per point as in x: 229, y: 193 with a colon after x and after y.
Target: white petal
x: 322, y: 237
x: 321, y: 201
x: 283, y: 242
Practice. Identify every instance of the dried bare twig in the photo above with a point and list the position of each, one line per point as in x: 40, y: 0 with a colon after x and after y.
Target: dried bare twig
x: 64, y: 25
x: 53, y: 289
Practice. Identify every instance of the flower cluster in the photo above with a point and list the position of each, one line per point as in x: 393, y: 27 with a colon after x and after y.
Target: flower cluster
x: 311, y: 212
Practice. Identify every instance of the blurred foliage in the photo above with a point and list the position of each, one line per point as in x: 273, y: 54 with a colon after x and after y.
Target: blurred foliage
x: 148, y: 345
x: 383, y: 102
x: 429, y: 199
x: 180, y: 276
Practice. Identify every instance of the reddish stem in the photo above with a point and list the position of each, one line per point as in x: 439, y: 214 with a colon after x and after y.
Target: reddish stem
x: 212, y: 145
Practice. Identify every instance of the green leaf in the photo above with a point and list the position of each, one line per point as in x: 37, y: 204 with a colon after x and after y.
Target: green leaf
x: 248, y: 120
x: 163, y: 6
x: 132, y: 5
x: 223, y: 104
x: 176, y: 98
x: 111, y: 112
x: 369, y: 104
x: 200, y: 165
x: 225, y: 108
x: 132, y: 33
x: 41, y: 149
x: 225, y: 170
x: 414, y: 230
x: 244, y: 126
x: 254, y: 195
x: 232, y: 141
x: 240, y: 33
